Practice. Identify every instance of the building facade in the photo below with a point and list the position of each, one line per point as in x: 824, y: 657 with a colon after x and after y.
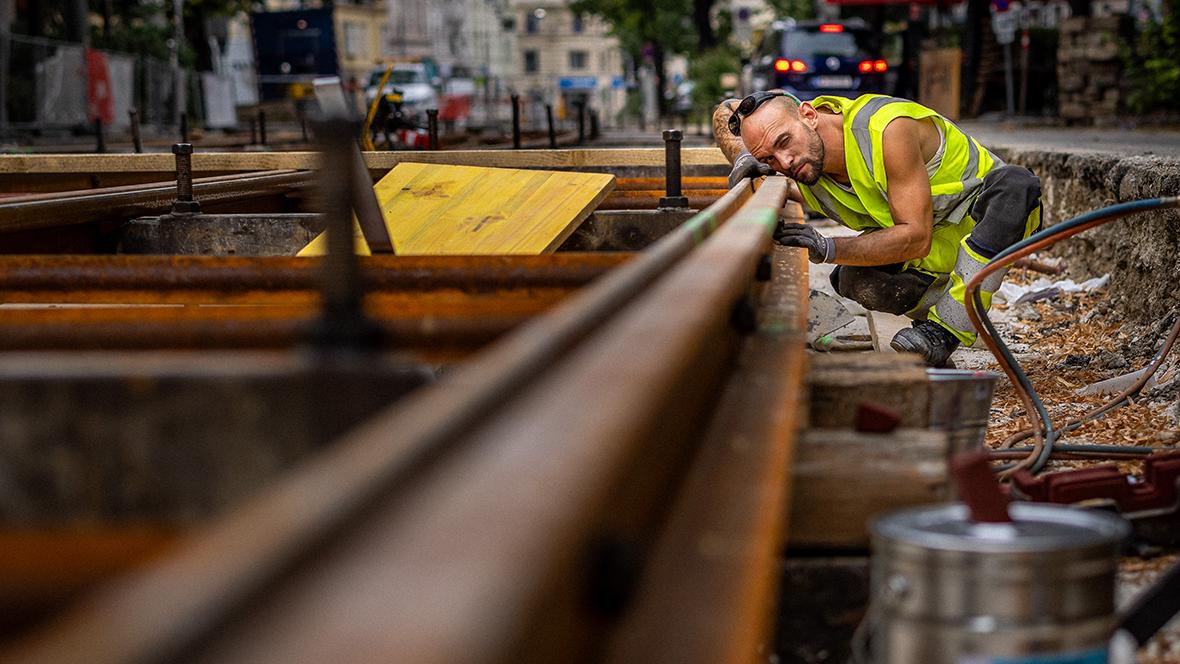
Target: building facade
x: 565, y: 59
x: 361, y: 38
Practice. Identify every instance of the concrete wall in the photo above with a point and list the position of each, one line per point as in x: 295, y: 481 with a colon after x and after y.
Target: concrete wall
x: 1142, y: 252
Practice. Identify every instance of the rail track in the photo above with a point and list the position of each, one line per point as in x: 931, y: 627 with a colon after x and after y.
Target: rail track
x: 602, y: 473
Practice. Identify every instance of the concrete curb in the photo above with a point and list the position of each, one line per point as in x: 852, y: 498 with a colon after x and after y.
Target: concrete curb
x: 1141, y: 253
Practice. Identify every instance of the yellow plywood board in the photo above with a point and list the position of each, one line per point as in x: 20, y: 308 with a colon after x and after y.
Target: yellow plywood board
x: 436, y: 209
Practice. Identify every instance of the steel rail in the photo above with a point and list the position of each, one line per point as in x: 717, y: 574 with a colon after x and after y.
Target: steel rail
x: 472, y: 274
x: 709, y: 591
x: 524, y: 541
x: 429, y: 302
x: 168, y: 609
x: 652, y: 202
x: 435, y: 333
x: 376, y: 161
x: 100, y: 204
x: 129, y: 188
x: 657, y: 184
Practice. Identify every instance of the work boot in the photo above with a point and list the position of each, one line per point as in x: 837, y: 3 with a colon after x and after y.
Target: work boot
x: 928, y: 339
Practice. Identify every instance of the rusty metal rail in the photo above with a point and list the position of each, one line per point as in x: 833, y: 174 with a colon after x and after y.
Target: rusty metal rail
x: 84, y: 206
x: 155, y: 278
x: 504, y: 513
x: 438, y: 308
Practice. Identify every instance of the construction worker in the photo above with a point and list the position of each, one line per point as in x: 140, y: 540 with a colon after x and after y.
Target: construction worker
x: 932, y: 203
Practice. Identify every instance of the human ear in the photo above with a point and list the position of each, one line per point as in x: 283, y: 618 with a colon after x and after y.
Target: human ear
x: 808, y: 114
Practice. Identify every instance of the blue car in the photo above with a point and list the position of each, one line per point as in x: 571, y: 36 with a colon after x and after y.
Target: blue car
x: 813, y: 58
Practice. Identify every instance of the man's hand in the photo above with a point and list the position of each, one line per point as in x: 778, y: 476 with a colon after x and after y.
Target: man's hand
x: 746, y: 166
x: 820, y: 249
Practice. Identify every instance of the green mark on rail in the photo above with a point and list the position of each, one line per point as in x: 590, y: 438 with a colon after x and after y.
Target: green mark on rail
x: 765, y: 217
x: 698, y: 223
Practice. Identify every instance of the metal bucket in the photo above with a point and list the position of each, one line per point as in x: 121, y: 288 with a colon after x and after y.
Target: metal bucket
x: 960, y: 404
x: 946, y: 590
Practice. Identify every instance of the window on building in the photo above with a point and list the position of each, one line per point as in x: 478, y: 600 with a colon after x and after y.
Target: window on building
x: 355, y: 46
x: 509, y: 24
x: 532, y: 62
x: 532, y: 24
x: 578, y: 25
x: 578, y: 59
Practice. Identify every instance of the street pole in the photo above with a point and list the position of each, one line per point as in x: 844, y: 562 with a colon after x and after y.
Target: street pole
x: 1008, y: 92
x: 174, y: 59
x: 1024, y: 46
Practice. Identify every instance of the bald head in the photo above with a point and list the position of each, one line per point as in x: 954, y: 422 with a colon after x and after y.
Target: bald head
x: 782, y: 133
x: 771, y: 114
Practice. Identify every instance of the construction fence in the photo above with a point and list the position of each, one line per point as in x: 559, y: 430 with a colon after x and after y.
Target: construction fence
x: 47, y: 84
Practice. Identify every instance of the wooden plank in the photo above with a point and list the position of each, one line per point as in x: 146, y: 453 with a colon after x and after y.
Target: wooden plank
x: 470, y: 210
x: 709, y: 594
x: 255, y: 161
x: 843, y: 479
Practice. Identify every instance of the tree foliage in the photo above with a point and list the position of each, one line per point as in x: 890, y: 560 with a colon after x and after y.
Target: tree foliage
x: 796, y: 9
x: 706, y: 70
x: 648, y: 30
x: 1152, y: 65
x: 661, y: 24
x: 145, y: 28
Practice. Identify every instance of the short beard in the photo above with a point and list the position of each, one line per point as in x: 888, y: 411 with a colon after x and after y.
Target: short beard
x: 815, y: 157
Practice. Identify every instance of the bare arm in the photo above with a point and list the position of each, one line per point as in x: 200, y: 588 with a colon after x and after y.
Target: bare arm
x: 731, y: 146
x: 909, y: 204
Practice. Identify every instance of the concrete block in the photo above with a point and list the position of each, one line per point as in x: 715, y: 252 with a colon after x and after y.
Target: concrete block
x: 169, y: 438
x: 623, y: 230
x: 220, y: 234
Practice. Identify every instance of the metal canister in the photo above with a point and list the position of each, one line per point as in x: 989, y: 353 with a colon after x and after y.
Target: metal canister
x: 960, y: 404
x: 947, y: 590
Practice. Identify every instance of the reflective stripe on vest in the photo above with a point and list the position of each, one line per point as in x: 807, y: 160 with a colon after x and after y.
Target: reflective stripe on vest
x: 953, y: 185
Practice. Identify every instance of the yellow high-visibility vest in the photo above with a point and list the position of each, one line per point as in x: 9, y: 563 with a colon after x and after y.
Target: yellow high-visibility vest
x: 953, y: 186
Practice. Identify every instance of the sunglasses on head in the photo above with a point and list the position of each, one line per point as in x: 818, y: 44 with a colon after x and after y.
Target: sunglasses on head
x: 750, y: 104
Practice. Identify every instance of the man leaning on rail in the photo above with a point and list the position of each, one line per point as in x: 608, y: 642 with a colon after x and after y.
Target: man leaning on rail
x: 932, y: 203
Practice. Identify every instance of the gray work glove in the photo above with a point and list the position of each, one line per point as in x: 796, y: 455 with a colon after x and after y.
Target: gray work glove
x: 820, y: 249
x: 746, y: 166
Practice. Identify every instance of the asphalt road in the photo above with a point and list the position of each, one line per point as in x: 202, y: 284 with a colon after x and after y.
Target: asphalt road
x: 1122, y: 142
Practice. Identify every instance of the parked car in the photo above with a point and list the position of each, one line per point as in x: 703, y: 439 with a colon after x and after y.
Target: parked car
x: 412, y: 82
x: 813, y: 58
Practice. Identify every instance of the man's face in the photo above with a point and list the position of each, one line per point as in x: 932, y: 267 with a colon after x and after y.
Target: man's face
x: 785, y: 141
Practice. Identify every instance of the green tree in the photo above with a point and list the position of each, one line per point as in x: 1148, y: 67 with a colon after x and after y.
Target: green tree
x: 796, y: 9
x: 1152, y: 65
x: 706, y: 70
x: 649, y: 29
x: 135, y: 26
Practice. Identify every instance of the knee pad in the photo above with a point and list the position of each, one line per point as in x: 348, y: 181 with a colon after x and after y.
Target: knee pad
x: 878, y: 290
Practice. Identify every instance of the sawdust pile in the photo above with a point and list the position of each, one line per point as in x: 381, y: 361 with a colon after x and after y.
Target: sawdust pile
x: 1065, y: 343
x: 1074, y: 340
